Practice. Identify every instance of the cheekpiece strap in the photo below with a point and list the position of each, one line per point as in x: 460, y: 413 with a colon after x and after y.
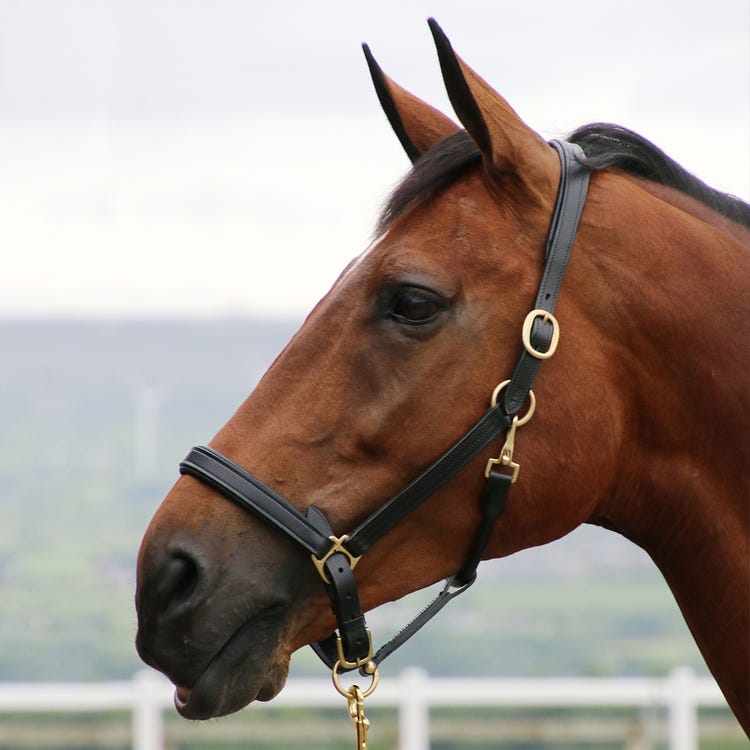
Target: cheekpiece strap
x: 541, y: 330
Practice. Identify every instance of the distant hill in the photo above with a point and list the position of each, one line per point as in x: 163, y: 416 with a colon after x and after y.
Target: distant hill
x: 96, y: 416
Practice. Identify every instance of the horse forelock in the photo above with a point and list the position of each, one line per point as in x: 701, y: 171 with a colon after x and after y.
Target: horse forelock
x: 433, y: 171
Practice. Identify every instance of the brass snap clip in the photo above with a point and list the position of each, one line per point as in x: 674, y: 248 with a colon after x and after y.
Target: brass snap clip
x: 356, y: 706
x: 506, y: 454
x: 355, y: 700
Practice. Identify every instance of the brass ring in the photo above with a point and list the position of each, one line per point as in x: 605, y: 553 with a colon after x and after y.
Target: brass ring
x: 532, y: 403
x: 547, y: 317
x: 369, y: 668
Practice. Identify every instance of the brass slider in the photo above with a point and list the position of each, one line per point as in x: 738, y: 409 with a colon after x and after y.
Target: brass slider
x: 337, y: 545
x: 547, y: 317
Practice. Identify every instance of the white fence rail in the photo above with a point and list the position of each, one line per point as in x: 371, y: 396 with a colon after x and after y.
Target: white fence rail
x: 412, y: 693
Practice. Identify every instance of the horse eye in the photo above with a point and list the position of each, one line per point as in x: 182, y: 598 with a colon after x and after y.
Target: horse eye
x: 415, y: 306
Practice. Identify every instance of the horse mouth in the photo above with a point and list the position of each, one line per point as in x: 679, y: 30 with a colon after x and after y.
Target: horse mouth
x: 243, y: 670
x: 193, y: 703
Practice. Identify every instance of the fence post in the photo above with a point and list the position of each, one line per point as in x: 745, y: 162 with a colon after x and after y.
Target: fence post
x: 413, y: 710
x: 148, y: 721
x: 682, y: 709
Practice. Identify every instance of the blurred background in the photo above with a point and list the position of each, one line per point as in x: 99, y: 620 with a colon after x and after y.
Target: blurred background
x: 178, y: 176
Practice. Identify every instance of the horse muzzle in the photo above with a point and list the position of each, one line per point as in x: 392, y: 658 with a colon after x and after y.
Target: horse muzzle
x: 209, y: 619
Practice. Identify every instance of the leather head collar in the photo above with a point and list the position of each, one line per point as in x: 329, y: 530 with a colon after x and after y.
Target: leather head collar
x: 335, y: 557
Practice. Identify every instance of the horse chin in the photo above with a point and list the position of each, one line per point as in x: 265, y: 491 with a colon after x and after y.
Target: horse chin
x: 247, y: 668
x: 219, y: 695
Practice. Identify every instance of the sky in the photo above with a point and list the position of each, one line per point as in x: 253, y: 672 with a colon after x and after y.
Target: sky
x: 227, y: 157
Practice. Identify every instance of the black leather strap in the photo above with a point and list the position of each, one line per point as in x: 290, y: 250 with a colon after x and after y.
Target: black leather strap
x: 248, y: 491
x: 344, y: 596
x: 494, y: 497
x: 327, y: 650
x: 492, y: 503
x: 313, y: 531
x: 492, y: 424
x: 234, y: 482
x: 450, y: 591
x: 571, y: 195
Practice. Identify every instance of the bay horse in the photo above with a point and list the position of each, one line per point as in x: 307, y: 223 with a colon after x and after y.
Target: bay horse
x: 640, y: 424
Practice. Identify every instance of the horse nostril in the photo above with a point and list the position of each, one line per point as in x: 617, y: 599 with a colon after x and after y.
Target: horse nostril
x: 169, y: 581
x: 179, y: 579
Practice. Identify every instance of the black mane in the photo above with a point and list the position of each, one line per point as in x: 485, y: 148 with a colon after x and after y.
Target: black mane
x: 606, y: 147
x: 611, y: 146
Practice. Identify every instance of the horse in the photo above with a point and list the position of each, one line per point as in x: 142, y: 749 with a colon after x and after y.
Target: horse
x: 639, y: 419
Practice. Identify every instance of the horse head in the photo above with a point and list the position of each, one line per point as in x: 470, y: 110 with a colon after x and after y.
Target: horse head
x: 393, y: 366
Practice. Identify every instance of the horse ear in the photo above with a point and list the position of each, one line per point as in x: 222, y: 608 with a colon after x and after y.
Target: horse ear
x: 417, y: 125
x: 508, y: 146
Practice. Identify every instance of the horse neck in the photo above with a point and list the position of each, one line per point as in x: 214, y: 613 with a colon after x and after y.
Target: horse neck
x: 682, y: 490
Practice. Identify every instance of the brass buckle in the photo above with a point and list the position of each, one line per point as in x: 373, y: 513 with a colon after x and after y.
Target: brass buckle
x: 547, y: 317
x: 366, y: 661
x: 336, y: 546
